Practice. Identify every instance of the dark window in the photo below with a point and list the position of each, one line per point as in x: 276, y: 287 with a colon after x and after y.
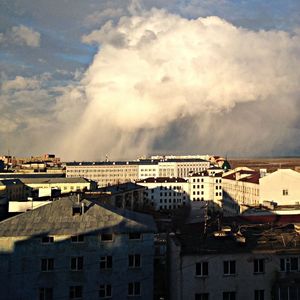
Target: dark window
x: 259, y: 295
x: 229, y: 267
x: 47, y: 264
x: 228, y: 295
x: 47, y: 239
x: 285, y: 192
x: 77, y: 263
x: 202, y: 268
x: 105, y: 291
x: 106, y: 237
x: 202, y: 296
x: 134, y: 261
x: 77, y: 238
x: 106, y: 262
x: 289, y: 264
x: 45, y: 294
x: 259, y: 265
x: 135, y: 236
x: 134, y: 289
x: 75, y: 292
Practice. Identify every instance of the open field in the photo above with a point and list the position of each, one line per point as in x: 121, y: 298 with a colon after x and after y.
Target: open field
x: 271, y: 164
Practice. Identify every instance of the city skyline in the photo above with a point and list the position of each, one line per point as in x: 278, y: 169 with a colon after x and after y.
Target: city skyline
x: 128, y: 78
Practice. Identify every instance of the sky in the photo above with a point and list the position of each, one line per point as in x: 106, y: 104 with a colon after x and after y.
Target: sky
x: 129, y: 78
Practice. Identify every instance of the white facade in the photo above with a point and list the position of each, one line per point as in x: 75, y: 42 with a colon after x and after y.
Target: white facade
x: 203, y: 187
x: 166, y: 193
x: 107, y: 173
x: 282, y: 187
x: 241, y: 189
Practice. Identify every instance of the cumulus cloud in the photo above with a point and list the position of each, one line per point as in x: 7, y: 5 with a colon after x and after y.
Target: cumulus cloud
x: 157, y: 69
x: 21, y: 35
x: 164, y: 83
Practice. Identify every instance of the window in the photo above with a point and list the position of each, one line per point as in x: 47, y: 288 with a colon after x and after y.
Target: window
x: 45, y: 294
x: 289, y: 264
x: 134, y: 289
x: 228, y: 295
x: 77, y: 263
x: 106, y: 237
x: 229, y: 267
x: 77, y: 238
x: 285, y: 192
x: 134, y: 235
x: 75, y: 292
x: 105, y: 291
x: 202, y: 296
x: 259, y: 295
x: 259, y: 266
x: 47, y: 264
x: 202, y: 268
x: 134, y: 261
x: 47, y: 239
x: 106, y: 262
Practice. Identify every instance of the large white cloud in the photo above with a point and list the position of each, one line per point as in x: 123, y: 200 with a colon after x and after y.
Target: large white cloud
x: 156, y: 69
x: 161, y: 82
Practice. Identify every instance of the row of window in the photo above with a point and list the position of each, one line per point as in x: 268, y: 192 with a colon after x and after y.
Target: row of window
x: 231, y: 295
x: 288, y: 264
x: 106, y: 262
x: 104, y: 291
x: 104, y: 237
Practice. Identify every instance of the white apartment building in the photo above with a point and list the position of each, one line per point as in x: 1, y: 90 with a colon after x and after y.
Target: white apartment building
x: 282, y: 187
x: 263, y: 267
x: 165, y: 193
x: 107, y: 173
x: 241, y: 190
x: 205, y: 187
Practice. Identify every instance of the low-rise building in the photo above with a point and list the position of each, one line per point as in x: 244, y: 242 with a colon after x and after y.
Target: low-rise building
x: 281, y: 186
x: 74, y: 249
x: 241, y: 190
x: 257, y: 262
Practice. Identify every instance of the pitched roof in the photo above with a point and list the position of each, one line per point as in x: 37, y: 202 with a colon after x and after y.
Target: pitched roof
x: 57, y: 218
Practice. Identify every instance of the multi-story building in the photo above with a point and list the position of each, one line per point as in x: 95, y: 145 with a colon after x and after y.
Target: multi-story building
x: 281, y: 187
x: 77, y: 250
x: 164, y: 193
x: 206, y: 187
x: 261, y: 263
x: 241, y: 190
x: 106, y: 173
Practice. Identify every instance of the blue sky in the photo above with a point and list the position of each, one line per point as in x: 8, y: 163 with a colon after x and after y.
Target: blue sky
x: 42, y: 52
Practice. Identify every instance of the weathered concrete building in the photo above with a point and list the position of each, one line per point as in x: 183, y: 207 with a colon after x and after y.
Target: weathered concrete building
x: 77, y: 250
x: 261, y: 263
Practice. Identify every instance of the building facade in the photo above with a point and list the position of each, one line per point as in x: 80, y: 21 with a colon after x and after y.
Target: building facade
x: 77, y: 251
x: 106, y: 173
x: 281, y: 187
x: 241, y: 189
x: 165, y: 193
x: 265, y: 266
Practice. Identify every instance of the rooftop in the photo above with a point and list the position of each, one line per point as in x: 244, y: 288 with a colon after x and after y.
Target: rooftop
x: 162, y: 180
x: 57, y: 218
x: 259, y: 238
